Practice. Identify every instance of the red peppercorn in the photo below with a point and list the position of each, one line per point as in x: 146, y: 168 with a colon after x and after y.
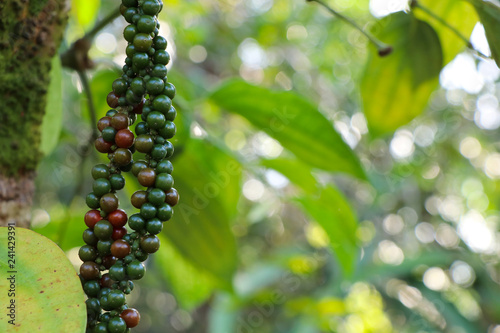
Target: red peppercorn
x: 124, y: 138
x: 120, y: 248
x: 118, y: 233
x: 92, y: 217
x: 131, y: 317
x: 117, y: 218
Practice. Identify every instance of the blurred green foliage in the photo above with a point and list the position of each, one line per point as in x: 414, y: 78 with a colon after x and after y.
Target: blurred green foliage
x: 323, y: 189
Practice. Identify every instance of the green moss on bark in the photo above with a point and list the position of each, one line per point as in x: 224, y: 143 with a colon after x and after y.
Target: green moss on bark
x: 30, y: 33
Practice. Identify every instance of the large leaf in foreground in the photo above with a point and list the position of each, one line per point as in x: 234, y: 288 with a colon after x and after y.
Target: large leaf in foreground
x: 293, y: 121
x: 489, y: 14
x: 396, y: 88
x: 334, y: 214
x: 208, y: 181
x: 48, y: 294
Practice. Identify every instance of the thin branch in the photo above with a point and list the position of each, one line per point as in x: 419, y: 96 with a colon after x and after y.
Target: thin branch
x: 102, y: 23
x: 382, y: 48
x: 92, y: 111
x: 416, y: 4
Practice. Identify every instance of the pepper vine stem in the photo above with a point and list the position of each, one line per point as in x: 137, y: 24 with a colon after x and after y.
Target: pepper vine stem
x: 416, y: 4
x: 382, y: 48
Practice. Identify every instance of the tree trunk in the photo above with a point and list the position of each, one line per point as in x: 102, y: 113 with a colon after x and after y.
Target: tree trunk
x: 30, y: 34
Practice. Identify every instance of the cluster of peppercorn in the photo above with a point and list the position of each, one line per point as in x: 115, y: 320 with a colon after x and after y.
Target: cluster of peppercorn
x: 113, y: 257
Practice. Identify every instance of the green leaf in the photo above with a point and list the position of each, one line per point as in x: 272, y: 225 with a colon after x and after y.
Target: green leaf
x: 396, y: 88
x: 190, y: 286
x: 334, y: 214
x: 296, y: 171
x: 458, y: 14
x: 85, y: 11
x: 489, y: 14
x: 52, y: 120
x: 48, y: 294
x: 208, y: 181
x: 294, y: 122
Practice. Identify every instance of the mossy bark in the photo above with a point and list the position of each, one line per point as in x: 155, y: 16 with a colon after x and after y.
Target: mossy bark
x: 30, y: 34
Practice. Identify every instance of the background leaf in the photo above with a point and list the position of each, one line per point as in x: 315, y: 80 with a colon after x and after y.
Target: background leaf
x: 208, y: 181
x: 458, y: 14
x: 52, y: 121
x: 489, y: 13
x: 85, y: 11
x: 396, y: 88
x: 296, y: 171
x: 49, y: 296
x: 190, y: 286
x: 334, y: 214
x: 293, y: 121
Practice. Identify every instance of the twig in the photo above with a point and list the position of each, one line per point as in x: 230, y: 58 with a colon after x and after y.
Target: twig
x: 416, y: 4
x: 101, y: 24
x: 92, y: 111
x: 382, y: 48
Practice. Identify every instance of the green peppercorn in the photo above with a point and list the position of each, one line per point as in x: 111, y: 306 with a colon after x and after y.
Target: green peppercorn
x: 116, y: 298
x: 146, y: 24
x: 129, y: 33
x: 170, y: 149
x: 171, y: 114
x: 160, y: 71
x: 138, y: 86
x: 159, y: 152
x: 132, y: 98
x: 142, y: 42
x: 92, y: 201
x: 156, y: 196
x: 91, y: 288
x: 136, y: 222
x: 104, y: 246
x: 108, y: 134
x: 168, y: 131
x: 138, y: 166
x: 164, y: 166
x: 160, y: 43
x: 119, y: 86
x: 117, y: 325
x: 154, y: 226
x: 103, y: 230
x: 164, y: 212
x: 117, y: 182
x: 151, y: 7
x: 117, y: 272
x: 156, y: 120
x: 87, y: 253
x: 169, y: 90
x: 130, y: 51
x: 140, y: 61
x: 101, y: 186
x: 89, y: 237
x: 160, y: 57
x: 135, y: 270
x: 162, y: 103
x: 155, y: 85
x: 142, y: 127
x: 100, y: 171
x: 148, y: 211
x: 164, y: 181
